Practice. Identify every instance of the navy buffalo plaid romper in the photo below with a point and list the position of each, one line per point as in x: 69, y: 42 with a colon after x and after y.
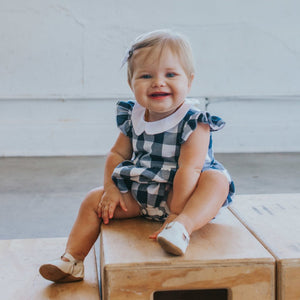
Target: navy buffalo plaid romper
x: 156, y: 147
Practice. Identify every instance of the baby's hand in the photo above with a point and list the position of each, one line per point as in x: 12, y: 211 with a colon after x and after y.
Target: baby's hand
x: 111, y: 198
x: 169, y: 219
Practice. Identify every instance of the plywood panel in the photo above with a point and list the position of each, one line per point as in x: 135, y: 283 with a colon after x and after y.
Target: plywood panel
x: 274, y: 220
x: 223, y: 254
x: 20, y: 278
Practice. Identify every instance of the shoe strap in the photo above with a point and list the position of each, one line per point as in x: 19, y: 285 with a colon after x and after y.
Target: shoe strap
x: 180, y: 227
x: 70, y: 257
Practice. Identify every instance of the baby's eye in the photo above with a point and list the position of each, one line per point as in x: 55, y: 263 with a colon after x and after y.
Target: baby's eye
x: 171, y: 74
x: 146, y: 76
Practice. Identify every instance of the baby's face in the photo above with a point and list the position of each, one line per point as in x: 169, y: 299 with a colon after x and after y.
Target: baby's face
x: 159, y: 82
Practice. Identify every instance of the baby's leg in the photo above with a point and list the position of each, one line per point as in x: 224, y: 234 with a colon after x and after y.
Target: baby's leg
x: 205, y: 202
x: 86, y: 228
x: 83, y: 235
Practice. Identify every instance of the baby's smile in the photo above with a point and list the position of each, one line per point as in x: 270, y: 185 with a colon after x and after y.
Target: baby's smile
x: 160, y: 95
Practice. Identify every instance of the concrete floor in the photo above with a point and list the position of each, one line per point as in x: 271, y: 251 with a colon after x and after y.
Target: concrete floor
x: 40, y: 197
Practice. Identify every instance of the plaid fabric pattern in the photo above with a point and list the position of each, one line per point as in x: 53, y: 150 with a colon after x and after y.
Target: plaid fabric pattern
x: 150, y: 173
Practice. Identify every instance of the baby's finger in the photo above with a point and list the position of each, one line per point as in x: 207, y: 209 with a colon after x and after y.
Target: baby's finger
x: 154, y: 235
x: 99, y: 209
x: 105, y: 217
x: 111, y: 210
x: 122, y: 204
x: 157, y: 232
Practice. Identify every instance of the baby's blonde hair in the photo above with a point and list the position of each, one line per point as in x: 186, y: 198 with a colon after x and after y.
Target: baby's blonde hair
x: 162, y: 39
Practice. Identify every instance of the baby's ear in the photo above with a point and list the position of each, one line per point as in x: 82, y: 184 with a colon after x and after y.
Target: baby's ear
x: 192, y: 76
x: 129, y: 83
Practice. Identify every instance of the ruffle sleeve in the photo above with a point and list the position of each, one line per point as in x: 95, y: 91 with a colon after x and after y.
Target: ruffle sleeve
x: 123, y: 118
x: 192, y: 118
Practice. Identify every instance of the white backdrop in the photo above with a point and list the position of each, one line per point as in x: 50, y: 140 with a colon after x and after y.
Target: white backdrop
x: 60, y: 69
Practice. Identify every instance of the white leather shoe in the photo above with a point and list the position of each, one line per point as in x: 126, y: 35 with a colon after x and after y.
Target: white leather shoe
x: 174, y: 238
x: 63, y: 271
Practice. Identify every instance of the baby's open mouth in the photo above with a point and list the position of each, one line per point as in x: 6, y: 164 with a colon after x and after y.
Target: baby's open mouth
x: 160, y: 94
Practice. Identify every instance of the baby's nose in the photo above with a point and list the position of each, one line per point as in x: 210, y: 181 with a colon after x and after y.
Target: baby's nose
x: 158, y: 82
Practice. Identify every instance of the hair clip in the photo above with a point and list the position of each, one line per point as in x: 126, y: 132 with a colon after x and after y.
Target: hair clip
x: 130, y: 52
x: 128, y: 55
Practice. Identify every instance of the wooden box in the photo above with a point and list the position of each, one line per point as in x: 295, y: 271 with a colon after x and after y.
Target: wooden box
x: 221, y: 255
x: 275, y: 221
x: 20, y: 279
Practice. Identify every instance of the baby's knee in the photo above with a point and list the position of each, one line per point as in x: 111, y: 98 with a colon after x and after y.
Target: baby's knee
x: 214, y: 176
x: 216, y: 180
x: 92, y: 199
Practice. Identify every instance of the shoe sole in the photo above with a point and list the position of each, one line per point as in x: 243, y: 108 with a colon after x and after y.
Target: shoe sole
x: 53, y: 273
x: 169, y: 247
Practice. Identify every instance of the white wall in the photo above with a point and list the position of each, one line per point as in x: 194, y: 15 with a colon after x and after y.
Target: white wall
x: 60, y: 60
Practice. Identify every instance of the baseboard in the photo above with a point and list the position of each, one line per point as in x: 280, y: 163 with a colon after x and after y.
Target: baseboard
x: 49, y: 127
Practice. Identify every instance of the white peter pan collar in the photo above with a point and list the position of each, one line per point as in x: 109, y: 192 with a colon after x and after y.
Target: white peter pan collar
x: 140, y: 125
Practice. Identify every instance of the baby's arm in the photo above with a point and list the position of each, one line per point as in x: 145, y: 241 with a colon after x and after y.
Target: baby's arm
x: 191, y: 160
x: 121, y: 150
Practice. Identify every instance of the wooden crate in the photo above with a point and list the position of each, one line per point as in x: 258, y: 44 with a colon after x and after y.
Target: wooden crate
x: 20, y: 279
x: 275, y: 221
x: 222, y: 255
